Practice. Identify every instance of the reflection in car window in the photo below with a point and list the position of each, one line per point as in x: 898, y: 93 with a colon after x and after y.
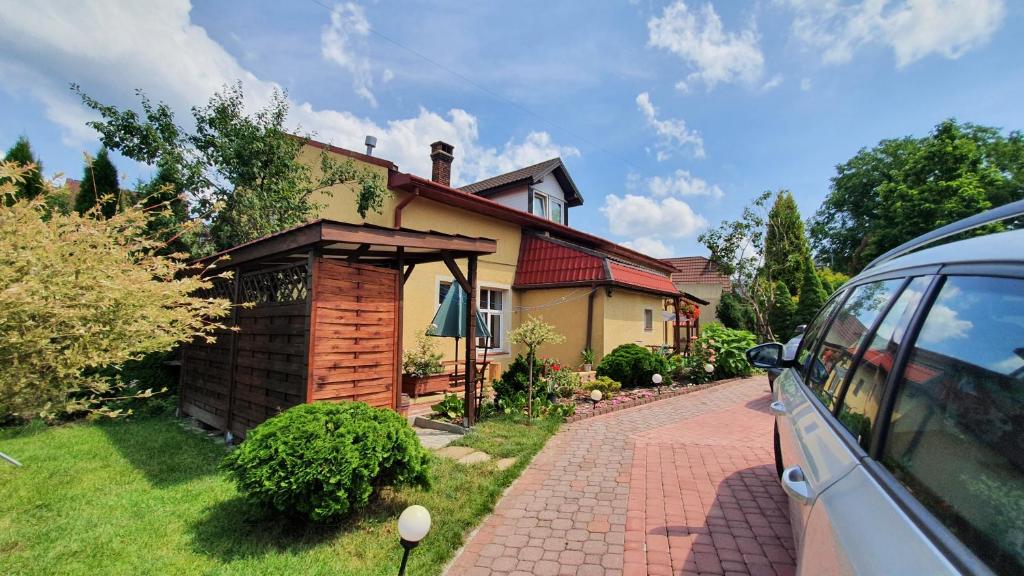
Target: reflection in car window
x: 956, y: 438
x: 813, y: 331
x: 864, y: 392
x: 844, y: 337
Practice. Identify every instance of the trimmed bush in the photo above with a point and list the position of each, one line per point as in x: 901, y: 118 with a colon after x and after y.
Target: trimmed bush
x: 324, y: 460
x: 633, y: 365
x: 724, y: 349
x: 606, y: 385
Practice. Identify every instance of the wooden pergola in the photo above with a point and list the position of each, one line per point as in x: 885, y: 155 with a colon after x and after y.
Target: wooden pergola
x: 317, y: 315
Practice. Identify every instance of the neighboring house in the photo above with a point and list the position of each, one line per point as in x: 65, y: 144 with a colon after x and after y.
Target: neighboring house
x: 700, y: 277
x: 594, y: 292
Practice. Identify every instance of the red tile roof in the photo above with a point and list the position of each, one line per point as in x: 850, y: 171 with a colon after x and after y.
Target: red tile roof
x: 546, y: 262
x: 697, y: 270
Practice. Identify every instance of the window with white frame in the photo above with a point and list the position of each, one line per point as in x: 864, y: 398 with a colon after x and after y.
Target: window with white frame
x: 648, y: 320
x: 556, y: 211
x: 492, y: 304
x: 540, y: 205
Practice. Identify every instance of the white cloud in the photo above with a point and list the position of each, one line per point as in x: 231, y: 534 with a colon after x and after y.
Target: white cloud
x: 699, y: 39
x: 682, y: 183
x: 343, y: 42
x: 913, y: 29
x: 806, y: 84
x: 157, y: 48
x: 772, y: 83
x: 641, y: 216
x: 650, y: 246
x: 672, y: 133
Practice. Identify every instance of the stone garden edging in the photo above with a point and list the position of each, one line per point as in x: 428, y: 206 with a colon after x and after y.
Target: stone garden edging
x: 665, y: 395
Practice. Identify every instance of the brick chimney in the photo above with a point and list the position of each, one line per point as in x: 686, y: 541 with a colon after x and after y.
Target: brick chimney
x: 441, y: 154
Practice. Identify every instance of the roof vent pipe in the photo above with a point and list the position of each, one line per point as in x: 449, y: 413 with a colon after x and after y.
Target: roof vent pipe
x: 371, y: 143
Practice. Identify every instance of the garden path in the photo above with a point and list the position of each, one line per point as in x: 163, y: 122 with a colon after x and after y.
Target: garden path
x: 684, y: 485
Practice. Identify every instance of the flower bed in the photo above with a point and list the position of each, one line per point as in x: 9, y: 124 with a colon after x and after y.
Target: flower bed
x: 585, y: 407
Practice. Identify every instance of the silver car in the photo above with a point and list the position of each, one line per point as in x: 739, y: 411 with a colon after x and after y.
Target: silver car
x: 899, y: 430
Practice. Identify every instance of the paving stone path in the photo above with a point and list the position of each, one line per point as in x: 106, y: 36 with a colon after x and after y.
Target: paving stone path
x: 683, y: 486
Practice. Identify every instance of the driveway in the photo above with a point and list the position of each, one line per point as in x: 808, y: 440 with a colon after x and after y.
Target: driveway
x: 682, y: 486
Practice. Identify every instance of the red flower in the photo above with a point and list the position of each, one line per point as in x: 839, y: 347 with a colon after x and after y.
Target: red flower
x: 556, y: 367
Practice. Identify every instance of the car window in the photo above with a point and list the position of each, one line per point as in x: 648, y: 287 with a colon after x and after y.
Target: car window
x: 813, y: 331
x: 956, y: 436
x: 845, y: 334
x: 864, y: 392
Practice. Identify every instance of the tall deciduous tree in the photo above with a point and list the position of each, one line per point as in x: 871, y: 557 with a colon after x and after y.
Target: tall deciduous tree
x: 785, y: 245
x: 902, y: 188
x: 242, y: 166
x: 32, y: 185
x: 100, y: 187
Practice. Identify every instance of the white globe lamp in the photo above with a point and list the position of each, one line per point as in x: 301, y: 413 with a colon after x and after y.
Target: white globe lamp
x: 413, y: 525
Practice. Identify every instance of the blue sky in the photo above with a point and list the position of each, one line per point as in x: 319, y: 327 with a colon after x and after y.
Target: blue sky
x: 669, y: 115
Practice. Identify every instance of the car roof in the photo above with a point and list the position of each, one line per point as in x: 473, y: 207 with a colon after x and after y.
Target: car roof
x: 1002, y: 247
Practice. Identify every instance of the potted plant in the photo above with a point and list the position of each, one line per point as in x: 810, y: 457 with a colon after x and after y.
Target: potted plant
x: 422, y: 371
x: 588, y: 359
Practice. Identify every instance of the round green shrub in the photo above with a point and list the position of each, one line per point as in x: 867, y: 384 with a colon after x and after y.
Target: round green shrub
x: 606, y: 385
x: 324, y: 460
x: 516, y: 378
x: 633, y: 365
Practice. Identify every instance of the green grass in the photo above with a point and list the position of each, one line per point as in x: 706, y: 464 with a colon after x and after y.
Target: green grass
x: 145, y: 497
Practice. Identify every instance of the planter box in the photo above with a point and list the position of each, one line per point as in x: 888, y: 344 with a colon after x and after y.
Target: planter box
x: 416, y: 385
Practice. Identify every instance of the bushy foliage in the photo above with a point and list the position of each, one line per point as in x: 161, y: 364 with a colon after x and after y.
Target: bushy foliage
x: 32, y: 184
x: 812, y: 297
x: 733, y: 312
x: 785, y: 245
x: 324, y: 460
x: 633, y: 365
x: 423, y: 359
x: 451, y: 407
x: 533, y: 333
x: 100, y: 191
x: 515, y: 378
x: 720, y: 352
x: 58, y: 329
x: 831, y: 280
x: 562, y: 383
x: 606, y: 385
x: 783, y: 313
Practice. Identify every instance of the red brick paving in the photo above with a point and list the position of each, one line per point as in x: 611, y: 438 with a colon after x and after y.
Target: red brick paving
x: 684, y: 486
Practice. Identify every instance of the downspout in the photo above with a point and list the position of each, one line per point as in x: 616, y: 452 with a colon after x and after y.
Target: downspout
x: 401, y: 205
x: 590, y: 317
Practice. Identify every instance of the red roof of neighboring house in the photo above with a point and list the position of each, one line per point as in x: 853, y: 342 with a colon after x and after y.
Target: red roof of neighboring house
x: 697, y: 270
x: 547, y: 262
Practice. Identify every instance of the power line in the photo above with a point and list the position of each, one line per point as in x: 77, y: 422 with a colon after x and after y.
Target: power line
x: 486, y: 90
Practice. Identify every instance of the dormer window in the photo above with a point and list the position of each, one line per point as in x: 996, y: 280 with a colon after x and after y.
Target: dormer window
x: 556, y: 211
x: 540, y: 205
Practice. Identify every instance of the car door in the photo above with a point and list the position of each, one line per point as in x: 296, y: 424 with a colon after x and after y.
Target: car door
x: 944, y: 473
x: 813, y: 455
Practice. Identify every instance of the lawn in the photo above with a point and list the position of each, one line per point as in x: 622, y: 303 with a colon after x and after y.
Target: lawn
x: 145, y: 497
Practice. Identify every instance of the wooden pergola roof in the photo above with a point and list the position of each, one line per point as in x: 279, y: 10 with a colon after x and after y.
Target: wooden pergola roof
x: 363, y: 243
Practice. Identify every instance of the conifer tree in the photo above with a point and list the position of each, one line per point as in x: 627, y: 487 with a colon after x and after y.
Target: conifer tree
x: 812, y: 295
x: 99, y: 182
x: 22, y: 155
x: 785, y: 245
x: 783, y: 312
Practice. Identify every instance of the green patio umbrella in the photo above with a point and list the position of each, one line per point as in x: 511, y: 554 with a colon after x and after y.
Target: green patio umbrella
x: 450, y: 320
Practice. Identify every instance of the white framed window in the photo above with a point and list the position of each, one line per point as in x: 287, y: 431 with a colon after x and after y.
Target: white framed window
x: 493, y: 303
x: 540, y: 205
x: 556, y: 211
x: 648, y: 320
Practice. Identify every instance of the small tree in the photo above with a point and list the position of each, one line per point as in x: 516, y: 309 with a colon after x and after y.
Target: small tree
x: 783, y: 312
x: 533, y: 333
x: 785, y: 245
x: 812, y: 295
x: 58, y: 330
x: 32, y: 185
x: 100, y: 186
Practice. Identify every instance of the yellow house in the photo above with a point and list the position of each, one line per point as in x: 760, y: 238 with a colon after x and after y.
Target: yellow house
x: 596, y: 293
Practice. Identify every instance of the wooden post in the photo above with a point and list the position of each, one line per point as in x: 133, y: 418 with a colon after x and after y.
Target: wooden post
x: 312, y: 278
x: 400, y: 279
x: 233, y: 352
x: 675, y: 324
x: 470, y: 400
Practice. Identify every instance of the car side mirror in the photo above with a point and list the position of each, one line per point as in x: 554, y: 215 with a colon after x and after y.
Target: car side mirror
x: 765, y: 355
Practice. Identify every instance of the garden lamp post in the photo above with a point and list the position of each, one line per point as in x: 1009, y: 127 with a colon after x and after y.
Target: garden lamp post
x: 413, y: 525
x: 595, y: 397
x: 656, y: 379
